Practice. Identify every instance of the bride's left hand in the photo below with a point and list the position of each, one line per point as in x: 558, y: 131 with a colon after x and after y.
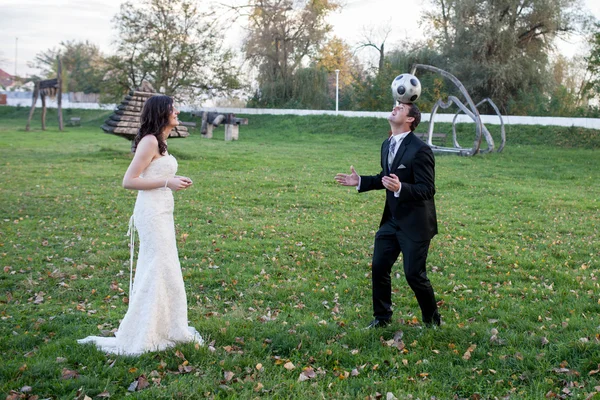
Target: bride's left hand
x: 187, y: 180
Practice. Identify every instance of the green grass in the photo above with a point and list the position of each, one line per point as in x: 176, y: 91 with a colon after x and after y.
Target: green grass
x: 517, y: 252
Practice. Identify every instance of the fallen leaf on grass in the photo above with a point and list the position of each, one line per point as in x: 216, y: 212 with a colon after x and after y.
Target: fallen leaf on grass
x: 69, y: 374
x: 306, y: 374
x: 544, y: 341
x: 185, y: 369
x: 471, y: 349
x: 565, y: 371
x: 594, y: 372
x: 39, y: 298
x: 104, y: 394
x: 395, y: 342
x: 259, y: 386
x: 344, y: 375
x: 30, y: 353
x: 289, y: 366
x: 140, y: 383
x: 228, y: 375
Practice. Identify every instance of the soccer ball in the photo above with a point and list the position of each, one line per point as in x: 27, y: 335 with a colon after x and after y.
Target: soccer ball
x: 406, y: 88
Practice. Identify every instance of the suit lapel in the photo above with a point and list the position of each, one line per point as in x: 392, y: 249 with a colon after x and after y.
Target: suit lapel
x: 400, y: 152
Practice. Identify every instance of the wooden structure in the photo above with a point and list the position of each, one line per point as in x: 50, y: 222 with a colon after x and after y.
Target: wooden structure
x: 439, y: 137
x: 52, y: 88
x: 74, y: 121
x: 125, y: 121
x: 211, y: 120
x: 480, y: 130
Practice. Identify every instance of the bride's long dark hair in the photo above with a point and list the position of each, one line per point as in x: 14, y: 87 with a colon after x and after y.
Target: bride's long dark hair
x: 155, y: 117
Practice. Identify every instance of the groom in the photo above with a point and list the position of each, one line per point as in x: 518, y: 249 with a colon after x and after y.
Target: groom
x: 409, y: 218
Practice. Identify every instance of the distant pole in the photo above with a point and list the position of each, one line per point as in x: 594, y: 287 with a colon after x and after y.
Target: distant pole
x: 337, y: 85
x: 16, y: 53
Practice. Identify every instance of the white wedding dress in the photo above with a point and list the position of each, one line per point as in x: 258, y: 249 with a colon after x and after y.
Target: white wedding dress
x: 157, y: 315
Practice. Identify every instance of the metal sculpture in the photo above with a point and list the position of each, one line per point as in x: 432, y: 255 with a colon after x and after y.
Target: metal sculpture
x: 471, y: 111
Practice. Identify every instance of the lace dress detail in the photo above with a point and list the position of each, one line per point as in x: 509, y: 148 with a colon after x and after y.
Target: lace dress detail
x: 157, y: 315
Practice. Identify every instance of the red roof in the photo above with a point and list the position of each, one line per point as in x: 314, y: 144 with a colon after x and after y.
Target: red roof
x: 6, y: 79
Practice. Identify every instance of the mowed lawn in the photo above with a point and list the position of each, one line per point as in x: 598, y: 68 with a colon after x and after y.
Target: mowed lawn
x: 276, y: 260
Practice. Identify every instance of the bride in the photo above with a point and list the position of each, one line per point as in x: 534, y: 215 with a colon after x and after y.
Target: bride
x: 157, y: 314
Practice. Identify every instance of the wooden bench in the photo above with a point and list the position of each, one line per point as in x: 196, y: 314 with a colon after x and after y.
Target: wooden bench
x: 211, y: 120
x: 75, y: 121
x: 188, y: 124
x: 436, y: 138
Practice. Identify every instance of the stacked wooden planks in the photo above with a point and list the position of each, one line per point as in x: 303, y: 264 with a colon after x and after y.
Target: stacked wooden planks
x: 125, y: 121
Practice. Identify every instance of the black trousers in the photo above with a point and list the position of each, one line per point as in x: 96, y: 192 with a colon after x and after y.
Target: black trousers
x: 389, y: 242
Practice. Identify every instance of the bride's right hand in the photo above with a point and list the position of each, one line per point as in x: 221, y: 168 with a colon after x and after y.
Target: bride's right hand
x: 178, y: 183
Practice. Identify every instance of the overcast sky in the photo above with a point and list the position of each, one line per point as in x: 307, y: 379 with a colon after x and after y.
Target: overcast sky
x: 43, y: 24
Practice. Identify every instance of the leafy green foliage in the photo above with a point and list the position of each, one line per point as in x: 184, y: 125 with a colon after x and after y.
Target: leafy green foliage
x: 276, y: 261
x: 593, y: 63
x: 82, y: 65
x: 282, y: 36
x: 174, y: 45
x: 497, y: 48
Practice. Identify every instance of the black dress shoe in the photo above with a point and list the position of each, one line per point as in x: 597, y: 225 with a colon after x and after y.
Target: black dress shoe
x: 378, y: 323
x: 436, y: 320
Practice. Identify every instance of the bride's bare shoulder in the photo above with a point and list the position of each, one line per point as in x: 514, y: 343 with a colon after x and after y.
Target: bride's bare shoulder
x: 149, y: 139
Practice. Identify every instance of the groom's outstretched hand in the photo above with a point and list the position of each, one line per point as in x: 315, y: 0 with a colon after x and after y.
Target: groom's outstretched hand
x: 348, y: 180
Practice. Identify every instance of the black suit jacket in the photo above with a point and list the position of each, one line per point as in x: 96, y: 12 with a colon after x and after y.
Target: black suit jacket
x: 414, y: 209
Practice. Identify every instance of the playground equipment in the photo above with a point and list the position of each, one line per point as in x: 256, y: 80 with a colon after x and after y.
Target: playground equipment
x: 51, y: 88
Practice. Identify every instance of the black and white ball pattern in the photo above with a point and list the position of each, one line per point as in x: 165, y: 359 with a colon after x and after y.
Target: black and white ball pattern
x: 406, y: 88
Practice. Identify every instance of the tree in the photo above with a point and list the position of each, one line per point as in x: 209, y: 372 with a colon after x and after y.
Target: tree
x: 376, y: 38
x: 174, y: 45
x: 82, y: 65
x: 337, y: 55
x: 498, y: 48
x: 592, y: 87
x: 373, y: 91
x: 570, y: 73
x: 282, y: 35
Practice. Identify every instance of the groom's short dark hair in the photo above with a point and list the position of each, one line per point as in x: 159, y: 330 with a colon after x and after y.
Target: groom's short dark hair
x: 413, y: 111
